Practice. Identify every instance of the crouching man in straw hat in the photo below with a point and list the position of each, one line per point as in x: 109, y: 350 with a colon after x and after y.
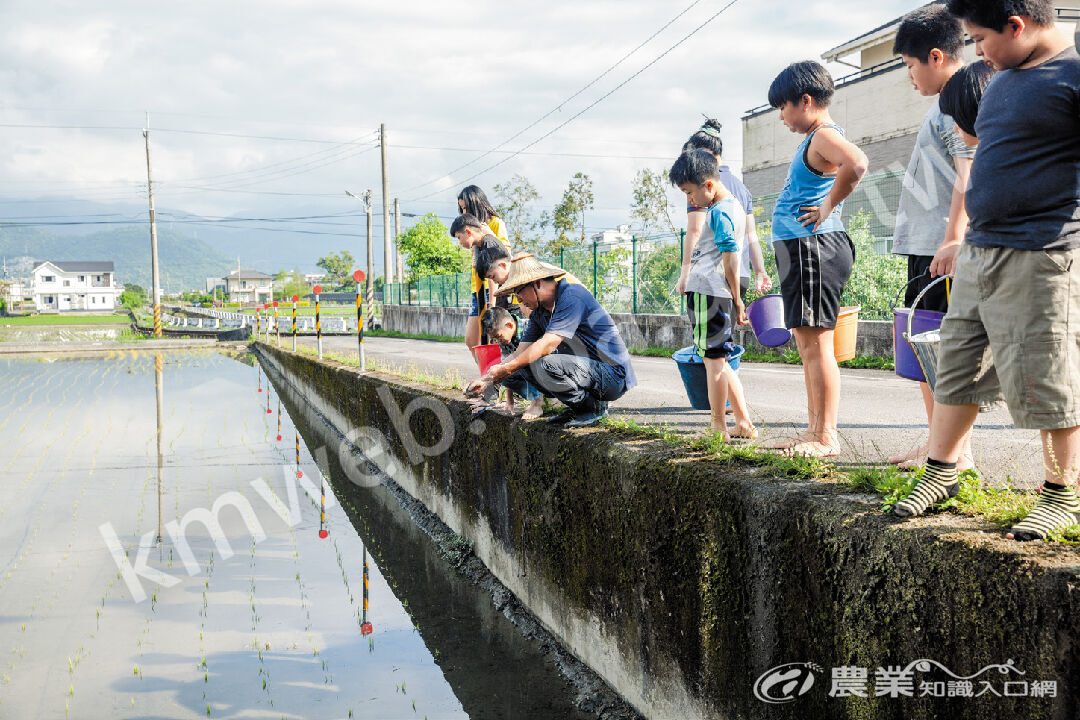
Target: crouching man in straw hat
x: 571, y: 350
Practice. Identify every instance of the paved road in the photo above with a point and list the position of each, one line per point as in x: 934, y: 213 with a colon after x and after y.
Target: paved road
x: 880, y: 413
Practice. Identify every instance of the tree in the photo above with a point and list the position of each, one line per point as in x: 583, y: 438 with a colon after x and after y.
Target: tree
x: 650, y: 207
x: 429, y: 250
x: 132, y: 299
x: 513, y: 202
x: 338, y: 267
x: 291, y: 283
x: 576, y: 199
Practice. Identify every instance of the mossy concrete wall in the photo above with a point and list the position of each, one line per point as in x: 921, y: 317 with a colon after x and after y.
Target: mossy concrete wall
x: 681, y: 579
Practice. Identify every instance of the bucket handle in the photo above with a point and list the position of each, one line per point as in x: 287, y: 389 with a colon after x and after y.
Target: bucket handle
x: 896, y: 301
x: 911, y: 315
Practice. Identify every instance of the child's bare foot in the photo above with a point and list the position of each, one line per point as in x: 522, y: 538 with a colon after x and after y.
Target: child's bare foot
x: 965, y: 462
x: 509, y: 406
x: 535, y: 410
x: 788, y: 443
x: 813, y: 449
x: 745, y: 430
x: 915, y: 455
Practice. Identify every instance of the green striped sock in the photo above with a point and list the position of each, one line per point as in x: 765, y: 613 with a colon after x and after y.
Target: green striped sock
x: 939, y: 481
x: 1057, y: 509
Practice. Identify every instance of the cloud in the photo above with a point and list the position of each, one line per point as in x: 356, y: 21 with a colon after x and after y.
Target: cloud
x: 444, y: 74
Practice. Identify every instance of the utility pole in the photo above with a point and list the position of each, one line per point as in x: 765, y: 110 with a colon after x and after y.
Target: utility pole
x: 397, y: 234
x: 369, y: 289
x: 388, y: 255
x: 156, y: 291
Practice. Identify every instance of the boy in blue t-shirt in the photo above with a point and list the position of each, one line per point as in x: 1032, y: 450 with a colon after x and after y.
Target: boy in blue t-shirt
x: 814, y: 255
x: 712, y: 283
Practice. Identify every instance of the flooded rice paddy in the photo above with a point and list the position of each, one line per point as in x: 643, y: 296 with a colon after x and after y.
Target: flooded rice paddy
x: 260, y: 618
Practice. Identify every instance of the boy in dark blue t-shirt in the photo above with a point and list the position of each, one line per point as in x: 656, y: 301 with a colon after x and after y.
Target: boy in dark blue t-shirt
x: 1017, y: 290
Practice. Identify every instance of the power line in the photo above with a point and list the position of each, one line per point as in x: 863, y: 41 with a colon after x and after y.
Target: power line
x: 330, y: 151
x: 596, y: 102
x: 131, y: 128
x: 300, y: 169
x: 187, y: 189
x: 548, y: 154
x: 561, y: 105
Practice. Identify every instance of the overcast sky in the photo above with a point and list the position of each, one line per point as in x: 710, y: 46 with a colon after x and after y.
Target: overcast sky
x: 444, y: 74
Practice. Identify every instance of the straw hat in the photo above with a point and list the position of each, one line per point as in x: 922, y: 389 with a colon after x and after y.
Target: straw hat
x: 525, y: 269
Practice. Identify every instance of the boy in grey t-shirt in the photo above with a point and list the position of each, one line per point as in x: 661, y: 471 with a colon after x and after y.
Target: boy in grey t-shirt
x: 931, y: 219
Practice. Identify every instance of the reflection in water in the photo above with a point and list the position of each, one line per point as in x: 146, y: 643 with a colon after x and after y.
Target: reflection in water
x: 276, y: 626
x: 365, y: 626
x: 495, y: 671
x: 159, y: 394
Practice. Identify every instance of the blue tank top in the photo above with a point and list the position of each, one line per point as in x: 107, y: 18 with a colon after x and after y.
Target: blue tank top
x: 804, y: 186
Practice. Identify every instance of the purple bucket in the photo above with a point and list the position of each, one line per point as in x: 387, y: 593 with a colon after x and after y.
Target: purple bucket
x: 906, y: 364
x: 767, y: 318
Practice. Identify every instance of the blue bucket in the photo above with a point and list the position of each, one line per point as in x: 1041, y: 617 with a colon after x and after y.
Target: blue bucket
x: 692, y: 369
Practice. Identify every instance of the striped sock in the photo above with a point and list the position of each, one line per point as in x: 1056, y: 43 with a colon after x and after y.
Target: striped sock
x: 1057, y: 509
x: 938, y: 482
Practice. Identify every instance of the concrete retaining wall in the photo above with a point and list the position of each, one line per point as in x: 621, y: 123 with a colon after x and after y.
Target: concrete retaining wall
x: 682, y: 579
x: 638, y: 331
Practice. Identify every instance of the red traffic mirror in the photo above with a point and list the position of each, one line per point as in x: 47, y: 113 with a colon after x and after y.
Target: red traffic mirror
x: 275, y: 303
x: 317, y: 289
x: 358, y: 276
x: 295, y: 298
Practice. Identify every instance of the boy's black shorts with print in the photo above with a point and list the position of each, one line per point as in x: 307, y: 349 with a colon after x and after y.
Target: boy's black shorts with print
x: 813, y: 272
x: 710, y: 320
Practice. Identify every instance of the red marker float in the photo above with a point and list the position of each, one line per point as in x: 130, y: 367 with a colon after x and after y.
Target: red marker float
x: 323, y: 532
x: 299, y: 473
x: 365, y: 626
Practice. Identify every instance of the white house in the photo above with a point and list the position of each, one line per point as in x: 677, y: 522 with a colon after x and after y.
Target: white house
x: 60, y: 286
x: 249, y: 286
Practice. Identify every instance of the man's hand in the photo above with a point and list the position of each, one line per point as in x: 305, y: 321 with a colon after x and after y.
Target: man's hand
x: 740, y: 312
x: 944, y: 262
x: 497, y: 373
x: 762, y: 283
x: 680, y: 286
x: 477, y: 387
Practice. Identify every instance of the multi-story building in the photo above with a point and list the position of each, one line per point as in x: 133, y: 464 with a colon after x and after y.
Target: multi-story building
x: 879, y: 111
x: 249, y: 286
x: 62, y: 286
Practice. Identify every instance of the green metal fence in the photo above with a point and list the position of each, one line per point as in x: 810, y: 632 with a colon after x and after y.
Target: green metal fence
x: 877, y: 198
x: 639, y: 276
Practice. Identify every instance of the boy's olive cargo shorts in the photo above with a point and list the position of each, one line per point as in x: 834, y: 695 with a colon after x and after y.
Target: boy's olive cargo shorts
x: 1013, y: 331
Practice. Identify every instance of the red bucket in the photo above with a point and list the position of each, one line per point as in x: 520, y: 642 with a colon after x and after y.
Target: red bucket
x: 486, y: 356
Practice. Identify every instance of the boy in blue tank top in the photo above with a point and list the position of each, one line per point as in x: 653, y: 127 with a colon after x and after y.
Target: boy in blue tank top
x: 813, y: 252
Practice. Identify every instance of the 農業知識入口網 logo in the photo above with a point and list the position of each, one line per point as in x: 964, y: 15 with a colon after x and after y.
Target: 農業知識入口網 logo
x: 786, y: 683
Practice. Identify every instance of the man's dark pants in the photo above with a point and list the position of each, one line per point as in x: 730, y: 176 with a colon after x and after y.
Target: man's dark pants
x: 580, y: 383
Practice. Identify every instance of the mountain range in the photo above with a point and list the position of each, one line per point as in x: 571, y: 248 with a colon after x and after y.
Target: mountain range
x: 191, y: 248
